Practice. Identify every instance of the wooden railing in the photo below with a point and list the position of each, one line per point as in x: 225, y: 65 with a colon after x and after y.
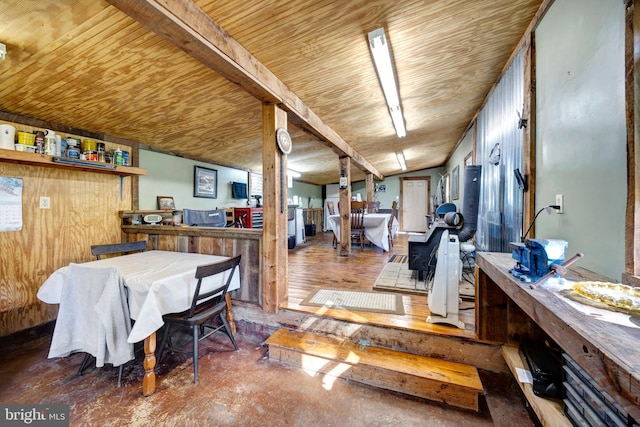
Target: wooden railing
x: 313, y: 216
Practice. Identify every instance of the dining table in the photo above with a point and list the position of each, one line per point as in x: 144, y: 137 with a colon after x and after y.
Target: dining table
x: 157, y: 283
x: 376, y: 228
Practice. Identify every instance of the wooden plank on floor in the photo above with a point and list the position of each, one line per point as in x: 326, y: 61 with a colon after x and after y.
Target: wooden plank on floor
x: 549, y: 412
x: 434, y: 379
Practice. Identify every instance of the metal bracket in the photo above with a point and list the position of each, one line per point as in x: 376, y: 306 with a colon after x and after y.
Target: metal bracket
x: 363, y: 344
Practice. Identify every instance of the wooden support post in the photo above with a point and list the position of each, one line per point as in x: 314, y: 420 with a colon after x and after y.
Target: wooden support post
x: 345, y: 208
x: 369, y: 187
x: 274, y: 191
x: 529, y: 132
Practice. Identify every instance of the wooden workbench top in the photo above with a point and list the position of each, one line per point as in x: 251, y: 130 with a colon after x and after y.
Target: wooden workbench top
x: 602, y: 342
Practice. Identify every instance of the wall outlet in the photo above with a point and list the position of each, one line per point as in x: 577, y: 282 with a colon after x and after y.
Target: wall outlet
x: 45, y: 202
x: 560, y: 202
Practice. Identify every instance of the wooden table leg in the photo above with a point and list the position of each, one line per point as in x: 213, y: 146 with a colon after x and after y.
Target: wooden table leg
x: 229, y: 316
x: 149, y: 380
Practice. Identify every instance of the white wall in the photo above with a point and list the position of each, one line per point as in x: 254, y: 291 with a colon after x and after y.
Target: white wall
x: 305, y: 192
x: 580, y: 128
x: 173, y: 176
x: 457, y: 159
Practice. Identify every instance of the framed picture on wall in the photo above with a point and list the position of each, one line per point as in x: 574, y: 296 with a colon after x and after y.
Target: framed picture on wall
x: 205, y: 182
x: 166, y: 203
x: 468, y: 159
x: 454, y: 183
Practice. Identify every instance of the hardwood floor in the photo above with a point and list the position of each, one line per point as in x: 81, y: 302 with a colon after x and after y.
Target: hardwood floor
x: 316, y: 264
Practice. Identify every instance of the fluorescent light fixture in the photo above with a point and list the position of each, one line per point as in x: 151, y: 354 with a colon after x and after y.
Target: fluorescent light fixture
x: 293, y: 174
x: 400, y: 157
x: 382, y: 60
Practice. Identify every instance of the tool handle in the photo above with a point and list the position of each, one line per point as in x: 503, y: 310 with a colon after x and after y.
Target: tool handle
x: 560, y: 269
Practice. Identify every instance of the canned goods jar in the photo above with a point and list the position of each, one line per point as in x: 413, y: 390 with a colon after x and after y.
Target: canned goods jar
x: 91, y: 155
x: 89, y: 145
x: 125, y: 158
x: 73, y: 153
x: 73, y: 142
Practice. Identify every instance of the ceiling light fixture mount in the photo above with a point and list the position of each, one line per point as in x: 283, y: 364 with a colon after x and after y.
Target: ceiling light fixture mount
x: 381, y: 54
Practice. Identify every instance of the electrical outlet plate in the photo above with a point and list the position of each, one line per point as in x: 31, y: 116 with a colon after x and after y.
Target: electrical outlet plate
x: 560, y: 202
x: 45, y: 203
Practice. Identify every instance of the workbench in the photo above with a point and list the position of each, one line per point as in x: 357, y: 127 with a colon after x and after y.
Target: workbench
x: 509, y: 311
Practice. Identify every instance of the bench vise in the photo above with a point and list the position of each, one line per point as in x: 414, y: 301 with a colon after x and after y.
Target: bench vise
x: 535, y: 257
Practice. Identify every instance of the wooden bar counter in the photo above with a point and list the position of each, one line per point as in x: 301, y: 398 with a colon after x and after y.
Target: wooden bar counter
x: 509, y: 311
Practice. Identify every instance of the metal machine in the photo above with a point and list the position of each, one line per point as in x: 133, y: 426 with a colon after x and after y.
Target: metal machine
x: 535, y: 257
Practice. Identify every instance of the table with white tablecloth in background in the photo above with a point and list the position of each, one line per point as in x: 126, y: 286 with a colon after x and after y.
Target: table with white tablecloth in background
x: 158, y: 283
x: 376, y: 228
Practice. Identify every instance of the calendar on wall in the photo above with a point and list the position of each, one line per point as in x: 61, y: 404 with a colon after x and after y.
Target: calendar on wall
x: 10, y: 204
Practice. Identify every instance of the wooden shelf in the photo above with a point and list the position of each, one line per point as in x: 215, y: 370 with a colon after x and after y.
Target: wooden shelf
x: 47, y: 161
x: 549, y: 412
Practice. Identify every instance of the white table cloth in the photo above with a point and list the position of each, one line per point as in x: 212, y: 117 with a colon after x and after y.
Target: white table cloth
x: 158, y: 282
x: 375, y: 228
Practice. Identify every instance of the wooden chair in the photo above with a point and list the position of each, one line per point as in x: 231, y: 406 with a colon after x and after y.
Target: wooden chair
x: 332, y: 211
x: 372, y: 207
x: 118, y: 248
x: 358, y: 205
x: 208, y: 303
x: 357, y: 222
x: 86, y: 325
x: 111, y: 249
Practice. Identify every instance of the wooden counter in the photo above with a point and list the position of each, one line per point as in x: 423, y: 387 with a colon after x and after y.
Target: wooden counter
x: 508, y: 311
x: 212, y: 241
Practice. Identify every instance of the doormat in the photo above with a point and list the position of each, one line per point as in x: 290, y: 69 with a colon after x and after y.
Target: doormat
x: 375, y: 302
x: 396, y: 277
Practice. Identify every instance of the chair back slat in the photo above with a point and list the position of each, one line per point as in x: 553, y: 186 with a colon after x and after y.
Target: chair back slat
x: 357, y: 218
x: 118, y: 248
x: 208, y: 270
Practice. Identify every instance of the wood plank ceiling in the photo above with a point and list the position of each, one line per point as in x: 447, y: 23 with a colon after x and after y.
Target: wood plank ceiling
x: 86, y: 64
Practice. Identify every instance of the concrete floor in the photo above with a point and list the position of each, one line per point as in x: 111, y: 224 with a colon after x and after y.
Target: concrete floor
x: 234, y: 389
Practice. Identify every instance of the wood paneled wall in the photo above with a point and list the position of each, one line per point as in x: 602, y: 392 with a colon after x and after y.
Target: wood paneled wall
x: 84, y: 211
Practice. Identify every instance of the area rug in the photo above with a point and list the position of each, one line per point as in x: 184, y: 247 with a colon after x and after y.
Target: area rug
x: 375, y: 302
x: 396, y: 277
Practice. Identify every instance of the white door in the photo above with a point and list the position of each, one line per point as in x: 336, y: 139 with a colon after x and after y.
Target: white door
x: 414, y: 205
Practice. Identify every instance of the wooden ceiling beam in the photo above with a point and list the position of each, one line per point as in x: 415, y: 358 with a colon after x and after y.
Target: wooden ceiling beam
x: 186, y: 26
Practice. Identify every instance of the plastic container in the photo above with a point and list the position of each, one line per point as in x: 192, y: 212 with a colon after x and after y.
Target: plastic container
x: 117, y: 156
x: 310, y: 229
x: 26, y: 138
x: 25, y: 148
x: 73, y: 153
x: 7, y: 136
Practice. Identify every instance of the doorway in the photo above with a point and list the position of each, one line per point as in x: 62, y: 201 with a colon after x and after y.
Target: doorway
x: 415, y: 193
